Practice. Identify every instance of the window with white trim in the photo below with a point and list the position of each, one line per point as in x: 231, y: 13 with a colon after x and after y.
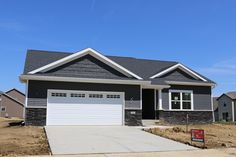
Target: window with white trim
x: 95, y: 96
x: 77, y: 95
x: 181, y: 100
x: 3, y: 109
x: 58, y: 94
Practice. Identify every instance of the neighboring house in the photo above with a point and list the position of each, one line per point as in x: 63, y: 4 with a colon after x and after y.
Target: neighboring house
x: 88, y: 88
x: 12, y: 104
x: 215, y: 108
x: 227, y: 108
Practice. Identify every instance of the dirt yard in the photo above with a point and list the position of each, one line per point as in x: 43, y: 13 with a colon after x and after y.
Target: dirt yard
x: 216, y: 135
x: 18, y: 140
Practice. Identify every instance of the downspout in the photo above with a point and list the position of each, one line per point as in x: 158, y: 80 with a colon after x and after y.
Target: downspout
x: 213, y: 114
x: 26, y: 98
x: 233, y: 116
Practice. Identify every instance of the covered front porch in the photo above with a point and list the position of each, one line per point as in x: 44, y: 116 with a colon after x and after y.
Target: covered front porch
x: 151, y: 102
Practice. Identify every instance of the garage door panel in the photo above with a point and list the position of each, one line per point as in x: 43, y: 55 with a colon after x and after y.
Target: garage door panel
x: 85, y: 111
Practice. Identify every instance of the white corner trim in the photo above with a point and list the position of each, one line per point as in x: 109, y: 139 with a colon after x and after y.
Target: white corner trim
x: 24, y: 78
x: 160, y: 99
x: 182, y: 67
x: 141, y: 97
x: 26, y: 93
x: 82, y: 53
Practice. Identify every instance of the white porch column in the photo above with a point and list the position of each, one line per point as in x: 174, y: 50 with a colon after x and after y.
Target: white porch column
x: 160, y: 99
x: 233, y: 116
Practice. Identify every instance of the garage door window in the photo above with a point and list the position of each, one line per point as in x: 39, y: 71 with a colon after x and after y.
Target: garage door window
x: 109, y: 96
x: 58, y: 94
x: 77, y: 95
x: 95, y: 96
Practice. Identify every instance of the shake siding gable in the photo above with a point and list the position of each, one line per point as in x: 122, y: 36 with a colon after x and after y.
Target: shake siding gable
x: 178, y: 75
x: 86, y: 67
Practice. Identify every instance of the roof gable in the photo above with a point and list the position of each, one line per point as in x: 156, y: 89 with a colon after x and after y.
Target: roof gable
x: 183, y: 68
x: 81, y: 54
x: 86, y: 67
x: 14, y: 90
x: 178, y: 75
x: 230, y: 95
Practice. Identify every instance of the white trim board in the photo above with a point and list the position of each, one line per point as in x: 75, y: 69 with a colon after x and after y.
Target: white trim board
x: 36, y: 107
x: 187, y: 110
x: 82, y: 53
x: 190, y: 83
x: 182, y: 67
x: 24, y: 78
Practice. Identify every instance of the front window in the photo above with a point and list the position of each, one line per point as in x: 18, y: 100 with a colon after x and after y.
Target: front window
x: 180, y: 100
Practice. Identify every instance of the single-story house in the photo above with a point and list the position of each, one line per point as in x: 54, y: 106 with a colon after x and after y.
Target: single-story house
x: 226, y: 106
x: 12, y: 104
x: 89, y: 88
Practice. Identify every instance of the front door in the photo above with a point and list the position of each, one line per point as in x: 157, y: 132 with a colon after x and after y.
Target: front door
x: 225, y: 116
x: 148, y: 109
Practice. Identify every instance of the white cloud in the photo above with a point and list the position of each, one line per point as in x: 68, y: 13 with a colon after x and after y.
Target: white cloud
x: 223, y: 73
x: 226, y: 67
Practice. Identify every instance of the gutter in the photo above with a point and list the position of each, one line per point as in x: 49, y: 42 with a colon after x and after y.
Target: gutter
x: 191, y: 83
x: 24, y: 78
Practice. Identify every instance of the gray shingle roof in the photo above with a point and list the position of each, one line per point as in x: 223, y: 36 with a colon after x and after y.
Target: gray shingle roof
x: 142, y: 67
x: 232, y: 95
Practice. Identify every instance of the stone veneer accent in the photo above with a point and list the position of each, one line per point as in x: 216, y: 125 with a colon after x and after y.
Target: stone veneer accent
x: 35, y: 116
x: 133, y: 117
x: 179, y: 117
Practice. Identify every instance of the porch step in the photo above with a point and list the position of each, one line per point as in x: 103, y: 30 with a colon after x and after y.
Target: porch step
x: 150, y: 122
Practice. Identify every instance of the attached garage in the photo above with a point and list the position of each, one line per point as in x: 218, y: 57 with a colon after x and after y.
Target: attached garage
x: 84, y: 108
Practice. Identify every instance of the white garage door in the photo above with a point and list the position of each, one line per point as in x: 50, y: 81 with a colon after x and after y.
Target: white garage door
x: 84, y: 108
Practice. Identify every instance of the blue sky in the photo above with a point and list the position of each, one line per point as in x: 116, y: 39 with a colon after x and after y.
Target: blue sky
x: 200, y: 34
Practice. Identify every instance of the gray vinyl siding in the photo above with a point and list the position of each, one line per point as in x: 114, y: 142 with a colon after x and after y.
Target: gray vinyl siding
x: 228, y: 108
x: 178, y: 75
x: 37, y: 91
x: 201, y: 97
x: 86, y: 67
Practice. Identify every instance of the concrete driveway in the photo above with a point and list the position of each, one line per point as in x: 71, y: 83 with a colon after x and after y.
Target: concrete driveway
x: 106, y: 139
